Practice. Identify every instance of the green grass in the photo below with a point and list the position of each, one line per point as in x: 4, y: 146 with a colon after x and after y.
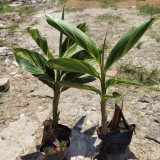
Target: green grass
x: 12, y: 28
x: 149, y: 10
x: 74, y: 10
x: 19, y: 9
x: 110, y: 18
x: 143, y: 76
x: 26, y: 9
x: 2, y: 43
x: 7, y: 9
x: 62, y: 1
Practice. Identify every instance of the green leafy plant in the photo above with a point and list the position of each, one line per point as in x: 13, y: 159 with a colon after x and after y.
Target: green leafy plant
x: 122, y: 47
x: 35, y: 63
x: 12, y: 28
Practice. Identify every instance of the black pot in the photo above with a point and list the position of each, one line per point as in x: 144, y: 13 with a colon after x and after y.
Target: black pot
x: 117, y: 142
x: 56, y: 156
x: 63, y: 135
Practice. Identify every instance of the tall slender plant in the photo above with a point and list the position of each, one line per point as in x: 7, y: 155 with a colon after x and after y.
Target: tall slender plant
x: 35, y: 63
x: 122, y: 47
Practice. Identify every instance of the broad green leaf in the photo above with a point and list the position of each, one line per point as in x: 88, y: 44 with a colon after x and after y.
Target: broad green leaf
x: 41, y: 41
x: 76, y: 35
x: 69, y: 46
x: 79, y: 86
x: 76, y: 77
x: 70, y: 50
x: 81, y: 55
x: 127, y: 42
x: 113, y: 81
x: 50, y: 72
x: 34, y: 63
x: 86, y: 79
x: 45, y: 78
x: 71, y: 76
x: 61, y: 37
x: 72, y: 65
x: 30, y: 61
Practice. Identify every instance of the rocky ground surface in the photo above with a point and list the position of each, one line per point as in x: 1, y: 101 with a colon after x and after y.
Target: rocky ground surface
x: 28, y: 102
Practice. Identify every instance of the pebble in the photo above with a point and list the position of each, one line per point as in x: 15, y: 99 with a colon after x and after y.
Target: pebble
x: 5, y: 51
x: 3, y: 26
x: 88, y: 122
x: 4, y: 84
x: 3, y: 137
x: 22, y: 115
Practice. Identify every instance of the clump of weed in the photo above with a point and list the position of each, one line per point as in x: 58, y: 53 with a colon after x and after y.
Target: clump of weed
x: 110, y: 18
x: 149, y: 9
x: 12, y: 28
x: 74, y: 9
x: 26, y: 9
x: 139, y: 45
x: 144, y: 76
x: 7, y: 9
x: 2, y: 43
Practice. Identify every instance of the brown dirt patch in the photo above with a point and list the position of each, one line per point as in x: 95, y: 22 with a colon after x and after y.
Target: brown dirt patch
x: 155, y: 3
x: 82, y: 4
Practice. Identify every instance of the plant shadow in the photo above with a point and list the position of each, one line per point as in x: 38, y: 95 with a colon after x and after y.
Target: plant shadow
x: 83, y: 144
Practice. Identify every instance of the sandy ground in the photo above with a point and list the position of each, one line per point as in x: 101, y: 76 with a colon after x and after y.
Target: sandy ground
x: 28, y: 102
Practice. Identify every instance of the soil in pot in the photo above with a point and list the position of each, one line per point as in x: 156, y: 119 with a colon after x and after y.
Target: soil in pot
x: 54, y: 147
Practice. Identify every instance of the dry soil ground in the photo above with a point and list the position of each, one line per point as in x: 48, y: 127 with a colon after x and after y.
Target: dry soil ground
x: 28, y: 102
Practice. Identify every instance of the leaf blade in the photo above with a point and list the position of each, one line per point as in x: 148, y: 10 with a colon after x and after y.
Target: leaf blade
x: 79, y: 86
x: 33, y: 63
x: 113, y: 81
x: 41, y: 41
x: 72, y: 65
x: 127, y: 42
x: 76, y: 35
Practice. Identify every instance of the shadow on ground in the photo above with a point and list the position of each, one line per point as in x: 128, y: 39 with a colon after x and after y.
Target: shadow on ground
x: 85, y: 136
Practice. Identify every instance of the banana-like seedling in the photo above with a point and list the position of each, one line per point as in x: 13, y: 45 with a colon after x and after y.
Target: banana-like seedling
x: 122, y: 47
x: 36, y: 64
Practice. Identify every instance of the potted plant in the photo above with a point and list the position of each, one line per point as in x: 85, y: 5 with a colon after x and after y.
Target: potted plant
x: 55, y: 139
x: 116, y: 134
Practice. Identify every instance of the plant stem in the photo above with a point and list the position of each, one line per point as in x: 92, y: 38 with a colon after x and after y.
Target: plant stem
x: 103, y: 103
x: 55, y: 105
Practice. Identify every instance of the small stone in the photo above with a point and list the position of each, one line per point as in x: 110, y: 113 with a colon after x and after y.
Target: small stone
x: 4, y: 84
x: 88, y: 122
x: 5, y: 51
x: 15, y: 4
x: 2, y: 26
x: 13, y: 73
x: 3, y: 137
x: 133, y: 7
x: 94, y: 109
x: 17, y: 18
x: 22, y: 115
